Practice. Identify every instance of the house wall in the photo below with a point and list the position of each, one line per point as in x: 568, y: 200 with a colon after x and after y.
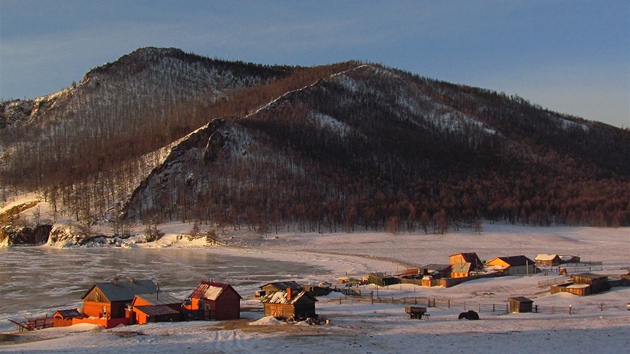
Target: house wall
x: 456, y: 275
x: 95, y: 309
x: 228, y: 308
x: 59, y: 321
x: 279, y: 310
x: 521, y: 270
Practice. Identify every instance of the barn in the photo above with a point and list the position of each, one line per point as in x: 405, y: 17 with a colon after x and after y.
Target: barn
x: 513, y: 265
x: 283, y: 304
x: 156, y: 307
x: 214, y: 301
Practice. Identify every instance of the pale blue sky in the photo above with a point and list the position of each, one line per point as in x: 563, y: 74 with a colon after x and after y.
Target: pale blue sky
x: 571, y: 56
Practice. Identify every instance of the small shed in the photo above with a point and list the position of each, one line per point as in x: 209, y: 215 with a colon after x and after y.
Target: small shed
x: 63, y: 318
x: 287, y: 305
x: 381, y: 279
x: 520, y: 304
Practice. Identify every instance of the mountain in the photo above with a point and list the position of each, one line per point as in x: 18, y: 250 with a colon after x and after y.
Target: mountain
x: 163, y: 135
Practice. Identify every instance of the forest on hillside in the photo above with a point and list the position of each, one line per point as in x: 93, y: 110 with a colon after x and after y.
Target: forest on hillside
x: 330, y: 148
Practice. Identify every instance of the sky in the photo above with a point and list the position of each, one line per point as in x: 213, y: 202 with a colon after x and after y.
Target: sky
x: 570, y: 56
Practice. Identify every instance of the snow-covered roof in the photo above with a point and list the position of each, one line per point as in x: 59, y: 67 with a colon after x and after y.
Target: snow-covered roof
x: 280, y: 297
x: 545, y: 257
x: 209, y: 290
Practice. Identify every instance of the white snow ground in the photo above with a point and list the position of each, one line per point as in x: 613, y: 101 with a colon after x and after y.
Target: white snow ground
x: 598, y: 323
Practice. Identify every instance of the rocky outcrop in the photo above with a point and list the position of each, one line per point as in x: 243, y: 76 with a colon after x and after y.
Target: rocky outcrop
x: 12, y: 236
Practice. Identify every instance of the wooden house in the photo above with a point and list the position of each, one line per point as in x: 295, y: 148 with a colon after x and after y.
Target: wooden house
x: 63, y: 318
x: 271, y: 288
x: 469, y: 257
x: 286, y: 304
x: 513, y: 265
x: 156, y: 307
x: 520, y: 304
x: 214, y: 301
x: 461, y: 270
x: 109, y: 301
x: 550, y: 260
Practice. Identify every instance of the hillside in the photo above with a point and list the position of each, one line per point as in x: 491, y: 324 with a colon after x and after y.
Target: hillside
x: 162, y: 135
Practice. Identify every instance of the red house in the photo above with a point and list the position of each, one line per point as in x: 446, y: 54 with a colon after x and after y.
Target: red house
x: 107, y: 303
x: 214, y: 301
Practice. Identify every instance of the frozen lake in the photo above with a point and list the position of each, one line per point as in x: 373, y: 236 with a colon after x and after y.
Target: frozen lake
x: 37, y: 280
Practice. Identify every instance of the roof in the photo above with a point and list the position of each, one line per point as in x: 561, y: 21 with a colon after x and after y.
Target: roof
x: 123, y: 290
x: 438, y: 267
x: 546, y: 257
x: 280, y: 297
x: 159, y: 298
x: 589, y: 275
x: 462, y: 267
x: 516, y: 261
x: 156, y: 310
x: 210, y: 290
x: 283, y: 285
x: 521, y: 299
x: 578, y: 286
x: 470, y: 257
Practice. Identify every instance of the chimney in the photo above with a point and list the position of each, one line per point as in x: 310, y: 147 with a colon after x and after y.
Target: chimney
x: 289, y: 293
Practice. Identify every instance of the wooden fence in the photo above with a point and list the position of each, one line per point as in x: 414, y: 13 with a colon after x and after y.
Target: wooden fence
x: 465, y: 305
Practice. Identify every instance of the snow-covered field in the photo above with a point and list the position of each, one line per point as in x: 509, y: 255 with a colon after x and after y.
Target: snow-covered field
x: 597, y: 323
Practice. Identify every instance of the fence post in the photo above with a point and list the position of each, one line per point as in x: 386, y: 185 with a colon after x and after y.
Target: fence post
x: 464, y: 305
x: 570, y: 309
x: 492, y: 307
x: 449, y: 303
x: 602, y: 307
